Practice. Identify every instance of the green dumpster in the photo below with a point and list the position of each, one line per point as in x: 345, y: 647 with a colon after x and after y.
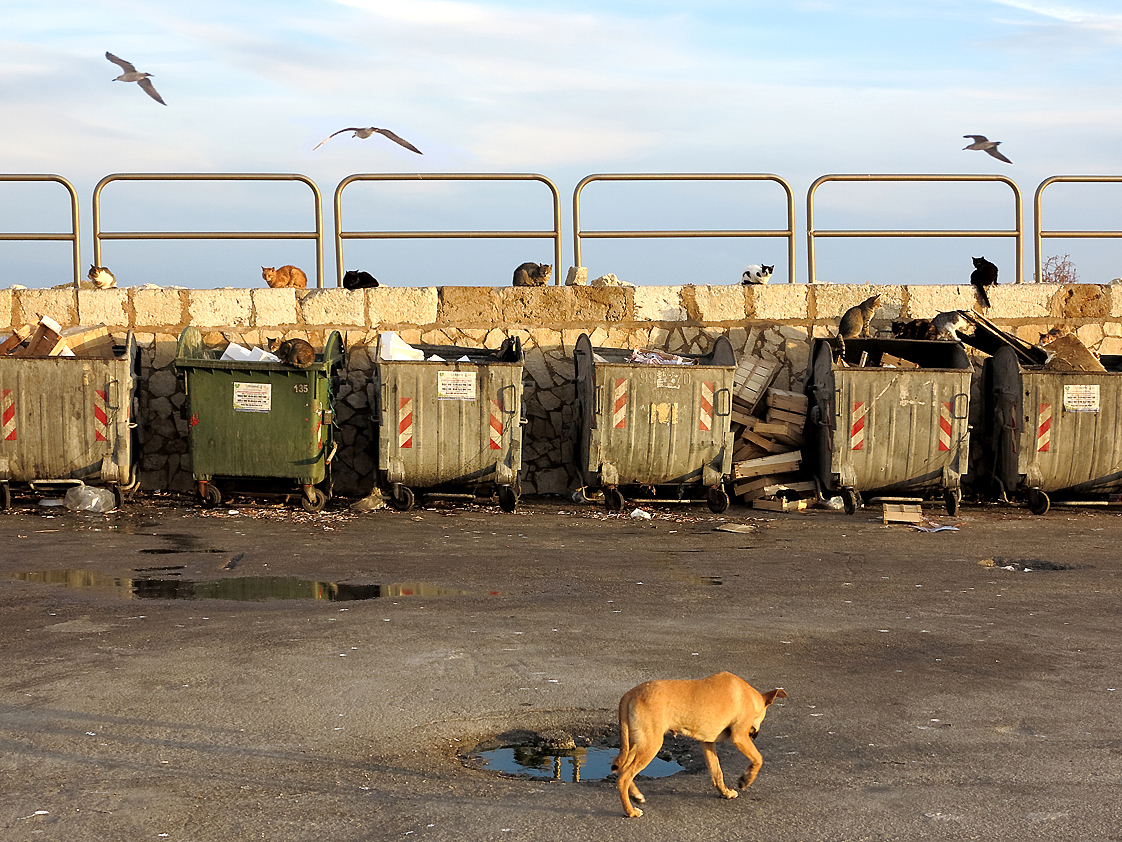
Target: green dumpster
x: 249, y: 419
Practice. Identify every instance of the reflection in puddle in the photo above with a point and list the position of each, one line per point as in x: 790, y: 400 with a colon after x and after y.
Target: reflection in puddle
x: 566, y: 764
x: 238, y: 589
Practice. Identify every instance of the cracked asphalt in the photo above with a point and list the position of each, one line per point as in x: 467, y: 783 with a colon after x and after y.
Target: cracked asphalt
x: 261, y: 673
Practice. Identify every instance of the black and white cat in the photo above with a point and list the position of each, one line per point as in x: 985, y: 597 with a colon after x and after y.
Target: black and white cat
x: 756, y: 274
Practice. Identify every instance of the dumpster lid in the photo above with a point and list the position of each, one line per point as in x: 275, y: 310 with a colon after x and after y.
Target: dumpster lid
x: 989, y: 338
x: 192, y: 353
x: 925, y: 353
x: 510, y: 351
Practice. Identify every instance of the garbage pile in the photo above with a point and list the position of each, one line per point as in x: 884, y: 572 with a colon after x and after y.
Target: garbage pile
x: 48, y: 339
x: 768, y: 427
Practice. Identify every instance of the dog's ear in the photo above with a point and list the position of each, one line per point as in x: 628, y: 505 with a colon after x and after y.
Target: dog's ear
x: 772, y: 695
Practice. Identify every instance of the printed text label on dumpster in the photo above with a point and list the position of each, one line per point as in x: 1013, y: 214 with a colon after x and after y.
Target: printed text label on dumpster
x: 253, y: 397
x: 455, y: 385
x: 1081, y: 397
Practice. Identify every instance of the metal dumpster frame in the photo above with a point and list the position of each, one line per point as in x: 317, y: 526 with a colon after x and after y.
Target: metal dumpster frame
x: 855, y: 445
x: 69, y: 420
x: 232, y: 419
x: 637, y: 439
x: 1053, y: 433
x: 449, y: 424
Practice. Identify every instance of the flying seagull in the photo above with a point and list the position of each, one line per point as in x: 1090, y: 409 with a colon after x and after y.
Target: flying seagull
x: 365, y: 133
x: 980, y: 143
x: 131, y: 75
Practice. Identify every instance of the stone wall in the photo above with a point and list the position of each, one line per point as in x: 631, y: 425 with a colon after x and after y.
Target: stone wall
x: 775, y: 321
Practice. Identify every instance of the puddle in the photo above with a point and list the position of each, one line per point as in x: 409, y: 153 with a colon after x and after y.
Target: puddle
x: 238, y: 589
x: 1025, y: 565
x: 574, y: 765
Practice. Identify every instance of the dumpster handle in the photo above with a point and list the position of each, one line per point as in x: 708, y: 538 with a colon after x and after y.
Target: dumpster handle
x: 383, y: 395
x: 598, y: 402
x: 508, y: 407
x: 966, y: 407
x: 115, y: 405
x: 727, y: 402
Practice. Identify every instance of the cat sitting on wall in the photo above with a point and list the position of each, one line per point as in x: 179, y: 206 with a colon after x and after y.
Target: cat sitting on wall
x: 285, y: 277
x: 756, y: 274
x: 532, y: 275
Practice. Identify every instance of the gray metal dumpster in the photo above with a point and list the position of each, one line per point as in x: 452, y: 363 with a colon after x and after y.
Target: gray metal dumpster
x: 450, y: 422
x: 655, y: 425
x: 250, y: 420
x: 68, y: 421
x: 1053, y: 433
x: 889, y: 430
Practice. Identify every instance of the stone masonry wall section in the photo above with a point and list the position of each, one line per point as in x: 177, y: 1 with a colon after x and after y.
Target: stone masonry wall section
x: 775, y: 321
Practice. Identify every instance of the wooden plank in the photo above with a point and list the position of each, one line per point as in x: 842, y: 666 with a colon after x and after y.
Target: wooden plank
x: 746, y: 450
x: 12, y: 342
x: 765, y: 428
x: 90, y: 341
x: 788, y: 401
x: 44, y: 342
x: 767, y: 444
x: 739, y: 417
x: 780, y: 505
x: 752, y: 377
x: 779, y: 415
x: 890, y: 361
x: 902, y: 513
x: 779, y: 463
x: 769, y: 486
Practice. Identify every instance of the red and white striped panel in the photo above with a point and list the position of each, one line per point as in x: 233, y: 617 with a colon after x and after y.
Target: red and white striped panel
x: 619, y: 403
x: 945, y: 425
x: 101, y: 421
x: 857, y: 426
x: 496, y: 425
x: 705, y: 421
x: 1044, y: 428
x: 7, y: 415
x: 405, y: 422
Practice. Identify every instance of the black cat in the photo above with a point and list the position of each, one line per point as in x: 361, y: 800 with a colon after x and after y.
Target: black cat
x: 359, y: 280
x: 984, y: 275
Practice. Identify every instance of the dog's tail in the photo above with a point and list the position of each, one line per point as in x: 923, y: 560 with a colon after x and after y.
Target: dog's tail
x: 626, y: 748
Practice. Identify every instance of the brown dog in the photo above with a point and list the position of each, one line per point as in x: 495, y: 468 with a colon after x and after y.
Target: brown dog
x: 720, y: 707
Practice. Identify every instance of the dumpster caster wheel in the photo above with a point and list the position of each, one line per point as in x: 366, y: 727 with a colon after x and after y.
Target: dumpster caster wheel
x: 118, y: 496
x: 316, y: 503
x: 508, y: 498
x: 1039, y: 503
x: 851, y: 499
x: 953, y: 500
x: 211, y: 496
x: 5, y: 496
x: 613, y: 500
x: 718, y: 500
x: 401, y: 497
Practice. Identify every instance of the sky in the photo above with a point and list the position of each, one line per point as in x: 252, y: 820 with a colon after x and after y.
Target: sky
x: 565, y: 90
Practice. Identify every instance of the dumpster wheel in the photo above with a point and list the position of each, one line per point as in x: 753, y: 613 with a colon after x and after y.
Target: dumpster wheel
x: 717, y: 499
x: 401, y: 497
x: 508, y: 497
x: 851, y: 499
x: 313, y: 500
x: 952, y: 497
x: 5, y: 496
x: 613, y: 499
x: 209, y: 494
x: 1038, y: 501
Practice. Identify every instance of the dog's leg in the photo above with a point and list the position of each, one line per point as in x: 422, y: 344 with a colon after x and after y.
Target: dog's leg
x: 743, y: 741
x: 642, y: 755
x: 715, y: 771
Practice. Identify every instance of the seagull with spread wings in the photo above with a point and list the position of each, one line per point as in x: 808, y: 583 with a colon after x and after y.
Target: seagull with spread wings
x: 982, y: 145
x: 131, y: 75
x: 365, y: 133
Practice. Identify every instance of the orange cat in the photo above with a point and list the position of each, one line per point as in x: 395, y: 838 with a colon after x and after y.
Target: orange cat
x: 285, y: 276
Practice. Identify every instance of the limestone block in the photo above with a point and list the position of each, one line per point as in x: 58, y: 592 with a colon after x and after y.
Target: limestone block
x: 577, y: 276
x: 552, y: 481
x: 1082, y: 301
x: 724, y: 303
x: 1111, y: 346
x: 274, y: 307
x: 659, y: 304
x: 928, y: 300
x: 60, y: 304
x: 402, y: 306
x: 162, y: 383
x: 158, y: 307
x: 1015, y: 301
x: 779, y: 302
x: 6, y: 298
x: 468, y: 306
x: 832, y: 300
x: 108, y: 307
x: 1090, y: 335
x: 601, y: 304
x: 535, y: 365
x: 220, y: 307
x: 550, y: 305
x: 333, y: 306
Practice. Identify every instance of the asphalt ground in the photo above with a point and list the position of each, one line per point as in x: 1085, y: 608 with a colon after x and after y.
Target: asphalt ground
x: 932, y: 693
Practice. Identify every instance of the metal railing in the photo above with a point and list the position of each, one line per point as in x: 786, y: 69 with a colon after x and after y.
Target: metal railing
x: 812, y: 233
x: 789, y: 232
x: 340, y: 234
x: 1039, y: 234
x: 316, y: 235
x: 73, y: 237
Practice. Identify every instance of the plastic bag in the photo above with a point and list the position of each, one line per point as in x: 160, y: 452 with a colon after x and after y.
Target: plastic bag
x: 86, y: 498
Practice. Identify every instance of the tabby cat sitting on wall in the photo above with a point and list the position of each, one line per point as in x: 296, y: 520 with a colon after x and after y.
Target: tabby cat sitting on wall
x: 285, y: 277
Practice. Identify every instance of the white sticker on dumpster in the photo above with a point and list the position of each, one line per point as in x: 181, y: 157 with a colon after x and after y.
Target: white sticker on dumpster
x: 1081, y: 397
x: 253, y: 397
x: 455, y: 385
